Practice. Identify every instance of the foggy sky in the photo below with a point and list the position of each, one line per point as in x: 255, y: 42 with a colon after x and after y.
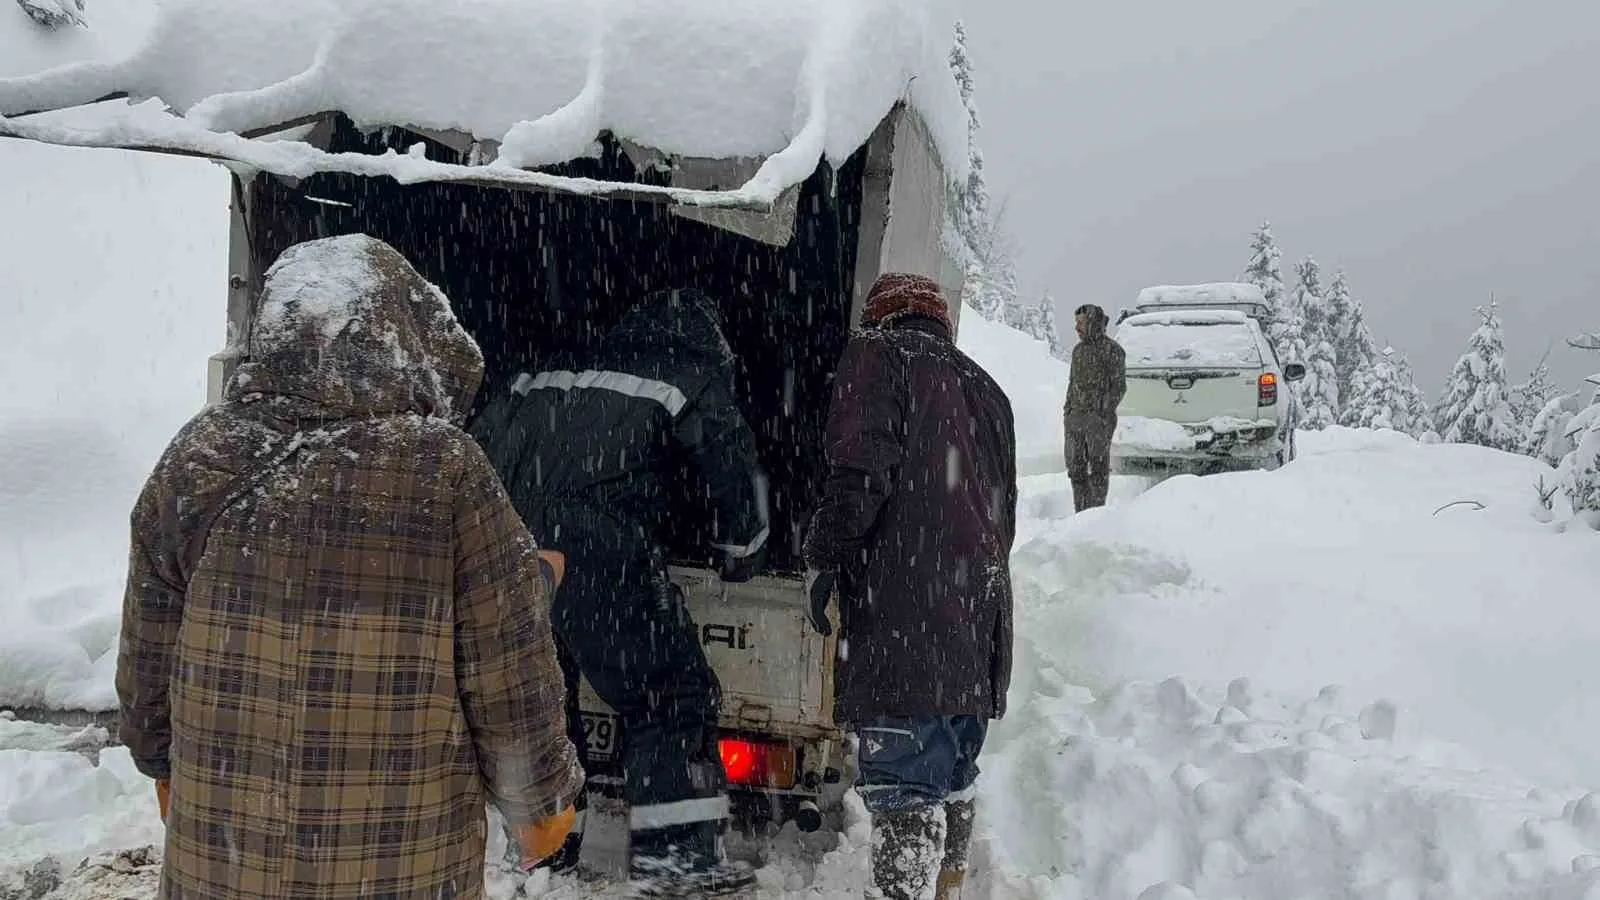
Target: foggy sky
x: 1439, y: 150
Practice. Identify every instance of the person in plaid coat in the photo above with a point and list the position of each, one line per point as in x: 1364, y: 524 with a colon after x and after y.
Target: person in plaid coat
x: 336, y: 640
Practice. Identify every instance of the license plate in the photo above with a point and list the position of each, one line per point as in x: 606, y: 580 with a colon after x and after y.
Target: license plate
x: 600, y: 735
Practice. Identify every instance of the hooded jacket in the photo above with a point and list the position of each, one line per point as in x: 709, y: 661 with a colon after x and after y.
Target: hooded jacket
x: 1099, y: 380
x: 335, y: 640
x: 604, y: 441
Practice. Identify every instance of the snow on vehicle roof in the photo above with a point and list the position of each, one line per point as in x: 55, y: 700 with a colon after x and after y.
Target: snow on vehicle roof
x: 1201, y: 294
x: 792, y: 82
x: 1189, y: 317
x: 1190, y: 338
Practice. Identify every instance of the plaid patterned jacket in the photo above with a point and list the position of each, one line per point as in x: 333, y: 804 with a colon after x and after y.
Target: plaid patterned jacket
x: 335, y: 639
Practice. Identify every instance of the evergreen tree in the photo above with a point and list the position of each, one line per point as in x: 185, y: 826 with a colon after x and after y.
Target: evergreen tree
x: 1378, y: 397
x: 1049, y: 331
x: 1265, y: 271
x: 1529, y: 399
x: 1548, y: 440
x: 1354, y: 350
x: 1476, y: 407
x: 1579, y: 473
x: 1418, y: 414
x: 997, y: 295
x: 970, y: 206
x: 1319, y: 392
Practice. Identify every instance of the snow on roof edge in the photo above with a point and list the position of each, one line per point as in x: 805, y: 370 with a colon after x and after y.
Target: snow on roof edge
x: 794, y: 84
x: 147, y: 127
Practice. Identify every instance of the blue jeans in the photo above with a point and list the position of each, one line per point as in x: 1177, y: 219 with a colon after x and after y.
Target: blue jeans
x: 910, y: 763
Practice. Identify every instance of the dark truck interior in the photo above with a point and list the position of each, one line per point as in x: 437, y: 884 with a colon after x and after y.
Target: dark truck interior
x: 533, y: 274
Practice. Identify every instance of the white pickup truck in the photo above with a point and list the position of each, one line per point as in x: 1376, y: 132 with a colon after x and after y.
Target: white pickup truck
x: 1206, y: 388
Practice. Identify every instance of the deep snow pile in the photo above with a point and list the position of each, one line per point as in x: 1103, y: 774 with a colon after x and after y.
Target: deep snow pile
x: 1035, y: 381
x: 1297, y: 753
x: 1479, y: 622
x: 793, y: 82
x: 115, y: 296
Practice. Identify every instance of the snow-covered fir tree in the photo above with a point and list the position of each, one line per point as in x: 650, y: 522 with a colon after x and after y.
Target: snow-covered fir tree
x: 1378, y: 398
x: 1355, y: 352
x: 1265, y: 271
x: 1049, y: 331
x: 1547, y: 439
x: 1530, y: 398
x: 996, y: 296
x: 1579, y: 473
x: 979, y: 230
x: 1476, y: 406
x: 1319, y: 392
x: 1419, y: 414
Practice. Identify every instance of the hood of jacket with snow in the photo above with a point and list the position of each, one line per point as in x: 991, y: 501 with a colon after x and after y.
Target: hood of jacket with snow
x: 346, y: 328
x: 671, y: 336
x: 331, y: 597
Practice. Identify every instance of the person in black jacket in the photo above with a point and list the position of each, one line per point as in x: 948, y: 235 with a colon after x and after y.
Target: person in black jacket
x: 589, y: 456
x: 915, y: 527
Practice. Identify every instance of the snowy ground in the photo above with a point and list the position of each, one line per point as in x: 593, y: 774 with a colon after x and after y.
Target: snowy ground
x: 115, y: 274
x: 1312, y: 683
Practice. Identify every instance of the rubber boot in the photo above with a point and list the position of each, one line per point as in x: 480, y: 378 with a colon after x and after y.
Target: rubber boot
x: 906, y: 850
x: 958, y: 815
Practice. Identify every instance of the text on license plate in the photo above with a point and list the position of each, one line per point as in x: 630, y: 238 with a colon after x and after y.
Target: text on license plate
x: 600, y: 734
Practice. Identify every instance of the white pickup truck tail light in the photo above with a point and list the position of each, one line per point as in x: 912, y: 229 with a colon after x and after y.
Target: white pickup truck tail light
x: 1267, y: 389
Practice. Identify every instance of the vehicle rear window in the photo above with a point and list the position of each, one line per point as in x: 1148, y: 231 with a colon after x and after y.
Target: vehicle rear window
x: 1165, y: 344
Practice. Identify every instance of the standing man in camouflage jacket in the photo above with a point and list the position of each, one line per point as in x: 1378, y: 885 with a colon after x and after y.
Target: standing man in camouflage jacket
x: 1099, y: 379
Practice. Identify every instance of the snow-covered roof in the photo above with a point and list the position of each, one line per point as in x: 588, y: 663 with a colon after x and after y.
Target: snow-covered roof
x: 1189, y: 317
x: 1200, y: 294
x: 788, y: 82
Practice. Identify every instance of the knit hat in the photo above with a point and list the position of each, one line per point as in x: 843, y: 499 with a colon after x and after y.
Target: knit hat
x: 898, y: 294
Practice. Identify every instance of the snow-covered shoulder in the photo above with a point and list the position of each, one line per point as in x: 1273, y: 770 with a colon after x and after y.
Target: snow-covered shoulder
x: 790, y: 81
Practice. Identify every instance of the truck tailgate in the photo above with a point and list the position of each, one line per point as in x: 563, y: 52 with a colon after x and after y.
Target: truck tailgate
x: 1192, y: 396
x: 776, y: 671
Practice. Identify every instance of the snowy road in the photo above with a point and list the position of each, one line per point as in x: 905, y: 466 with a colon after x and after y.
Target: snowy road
x: 1253, y: 686
x: 1453, y: 759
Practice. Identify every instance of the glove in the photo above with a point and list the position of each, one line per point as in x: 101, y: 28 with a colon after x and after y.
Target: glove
x: 553, y: 566
x: 540, y: 840
x: 819, y: 588
x: 739, y: 569
x: 163, y: 797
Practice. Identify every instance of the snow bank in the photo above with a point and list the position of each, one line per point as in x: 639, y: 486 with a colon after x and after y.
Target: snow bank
x: 1354, y: 565
x: 1035, y: 381
x: 116, y: 288
x: 1162, y: 791
x: 56, y: 802
x: 793, y: 82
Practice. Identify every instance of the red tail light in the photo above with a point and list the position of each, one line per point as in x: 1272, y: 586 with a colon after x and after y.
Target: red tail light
x: 1267, y: 389
x: 756, y: 764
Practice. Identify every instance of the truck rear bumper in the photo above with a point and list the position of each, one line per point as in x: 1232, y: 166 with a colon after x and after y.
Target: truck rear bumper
x: 776, y: 675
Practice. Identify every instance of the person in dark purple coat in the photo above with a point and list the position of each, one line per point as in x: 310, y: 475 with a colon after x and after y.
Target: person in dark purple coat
x: 914, y: 531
